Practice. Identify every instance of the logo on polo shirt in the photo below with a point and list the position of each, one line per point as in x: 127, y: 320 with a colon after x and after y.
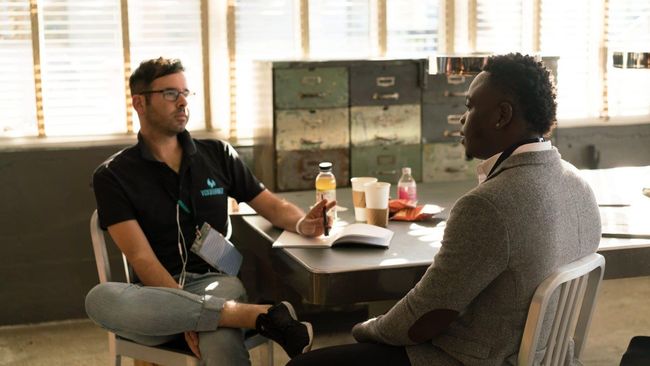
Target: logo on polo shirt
x: 211, y: 190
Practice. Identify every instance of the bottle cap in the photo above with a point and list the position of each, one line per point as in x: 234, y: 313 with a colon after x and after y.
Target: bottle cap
x: 325, y: 166
x: 406, y: 170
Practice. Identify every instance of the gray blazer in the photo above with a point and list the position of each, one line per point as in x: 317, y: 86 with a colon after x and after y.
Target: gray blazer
x: 502, y: 239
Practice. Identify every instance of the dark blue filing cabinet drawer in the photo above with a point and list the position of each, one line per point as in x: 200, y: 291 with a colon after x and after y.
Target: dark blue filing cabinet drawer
x: 443, y: 89
x: 441, y: 122
x: 385, y: 82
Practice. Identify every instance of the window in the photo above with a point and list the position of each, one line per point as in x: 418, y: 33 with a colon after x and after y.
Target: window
x: 339, y: 29
x: 264, y: 31
x: 81, y: 58
x: 412, y: 28
x: 499, y: 26
x: 571, y: 30
x: 17, y: 95
x: 171, y: 29
x: 629, y: 31
x: 82, y: 52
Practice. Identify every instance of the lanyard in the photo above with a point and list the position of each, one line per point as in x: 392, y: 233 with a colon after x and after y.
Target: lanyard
x: 507, y: 152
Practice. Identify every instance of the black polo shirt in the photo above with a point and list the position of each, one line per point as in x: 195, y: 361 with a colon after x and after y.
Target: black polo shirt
x: 132, y: 184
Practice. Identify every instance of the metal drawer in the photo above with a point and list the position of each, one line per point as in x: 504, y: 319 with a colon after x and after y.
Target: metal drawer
x: 377, y: 125
x: 441, y: 122
x: 385, y: 83
x: 308, y: 129
x: 386, y: 162
x: 446, y: 162
x: 297, y: 170
x: 444, y: 89
x: 313, y: 87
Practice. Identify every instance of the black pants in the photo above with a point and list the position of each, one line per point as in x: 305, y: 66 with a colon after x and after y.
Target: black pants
x: 354, y: 355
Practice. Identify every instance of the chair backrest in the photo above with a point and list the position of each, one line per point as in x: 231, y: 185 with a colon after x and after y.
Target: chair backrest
x: 101, y: 255
x: 579, y: 282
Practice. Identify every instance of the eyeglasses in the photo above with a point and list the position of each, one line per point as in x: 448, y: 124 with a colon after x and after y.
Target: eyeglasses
x: 169, y: 94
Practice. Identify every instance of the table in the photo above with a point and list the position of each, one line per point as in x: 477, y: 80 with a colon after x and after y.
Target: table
x: 352, y: 275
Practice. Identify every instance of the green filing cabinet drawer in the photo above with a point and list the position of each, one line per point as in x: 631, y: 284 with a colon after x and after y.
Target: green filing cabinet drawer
x: 308, y: 129
x: 441, y: 122
x: 297, y: 170
x: 386, y: 162
x: 444, y: 162
x: 446, y: 89
x: 385, y: 125
x: 385, y: 82
x: 308, y: 88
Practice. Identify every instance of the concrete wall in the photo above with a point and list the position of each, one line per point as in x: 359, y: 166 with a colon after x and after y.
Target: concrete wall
x: 46, y: 259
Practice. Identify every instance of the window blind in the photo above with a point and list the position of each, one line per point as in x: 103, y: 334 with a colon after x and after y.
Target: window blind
x: 171, y: 29
x: 629, y: 31
x: 264, y: 30
x: 17, y: 95
x: 412, y: 28
x: 339, y: 29
x: 81, y: 58
x: 571, y: 30
x: 499, y: 26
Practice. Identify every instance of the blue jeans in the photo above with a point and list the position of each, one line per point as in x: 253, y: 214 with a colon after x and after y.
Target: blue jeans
x: 156, y: 315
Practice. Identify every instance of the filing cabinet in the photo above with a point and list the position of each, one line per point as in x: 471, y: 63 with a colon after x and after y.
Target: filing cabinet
x: 385, y: 118
x: 311, y: 123
x: 386, y: 161
x: 443, y: 162
x: 443, y: 105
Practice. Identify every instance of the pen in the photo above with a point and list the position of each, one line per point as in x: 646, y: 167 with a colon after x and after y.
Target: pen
x: 327, y: 229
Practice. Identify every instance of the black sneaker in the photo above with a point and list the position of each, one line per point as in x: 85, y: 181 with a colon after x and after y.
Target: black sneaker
x: 281, y: 325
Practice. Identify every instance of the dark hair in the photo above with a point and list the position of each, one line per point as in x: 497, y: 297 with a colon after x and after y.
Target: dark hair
x: 529, y: 82
x: 150, y: 70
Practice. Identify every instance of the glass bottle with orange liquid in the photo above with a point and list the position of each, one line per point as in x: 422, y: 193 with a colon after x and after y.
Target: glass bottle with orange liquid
x: 326, y: 186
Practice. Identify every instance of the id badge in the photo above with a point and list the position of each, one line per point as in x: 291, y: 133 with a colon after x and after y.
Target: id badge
x: 216, y: 250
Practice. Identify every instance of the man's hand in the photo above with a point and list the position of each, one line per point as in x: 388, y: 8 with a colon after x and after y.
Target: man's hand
x: 312, y: 223
x: 192, y: 339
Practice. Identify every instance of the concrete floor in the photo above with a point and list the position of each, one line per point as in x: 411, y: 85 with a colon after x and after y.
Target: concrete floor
x: 622, y: 311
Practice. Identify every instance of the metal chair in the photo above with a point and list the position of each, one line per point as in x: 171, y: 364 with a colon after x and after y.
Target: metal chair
x: 578, y: 282
x: 163, y: 354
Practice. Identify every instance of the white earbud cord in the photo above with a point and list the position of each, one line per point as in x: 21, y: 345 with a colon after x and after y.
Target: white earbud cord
x: 182, y: 249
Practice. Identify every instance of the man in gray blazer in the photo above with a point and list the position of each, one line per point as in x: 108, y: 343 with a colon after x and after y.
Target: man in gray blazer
x: 530, y: 214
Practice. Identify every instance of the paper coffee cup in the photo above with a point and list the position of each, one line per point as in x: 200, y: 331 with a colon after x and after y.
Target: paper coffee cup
x: 377, y: 194
x: 359, y: 196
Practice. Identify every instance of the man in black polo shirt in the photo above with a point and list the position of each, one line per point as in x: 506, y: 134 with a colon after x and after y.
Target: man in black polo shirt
x: 152, y: 197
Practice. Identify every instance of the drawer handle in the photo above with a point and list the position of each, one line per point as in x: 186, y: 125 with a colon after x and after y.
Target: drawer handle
x: 385, y: 172
x: 448, y: 133
x: 309, y: 177
x: 448, y: 93
x: 385, y: 81
x: 379, y: 96
x: 311, y: 80
x: 317, y: 122
x: 454, y: 119
x: 387, y: 139
x: 455, y: 79
x: 305, y: 141
x: 311, y: 95
x: 386, y: 160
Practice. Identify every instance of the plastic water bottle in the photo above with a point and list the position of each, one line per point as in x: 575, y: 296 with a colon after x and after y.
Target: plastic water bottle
x: 326, y: 186
x: 406, y: 187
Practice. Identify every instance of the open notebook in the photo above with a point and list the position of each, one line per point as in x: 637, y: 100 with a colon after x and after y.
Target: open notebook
x: 354, y: 234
